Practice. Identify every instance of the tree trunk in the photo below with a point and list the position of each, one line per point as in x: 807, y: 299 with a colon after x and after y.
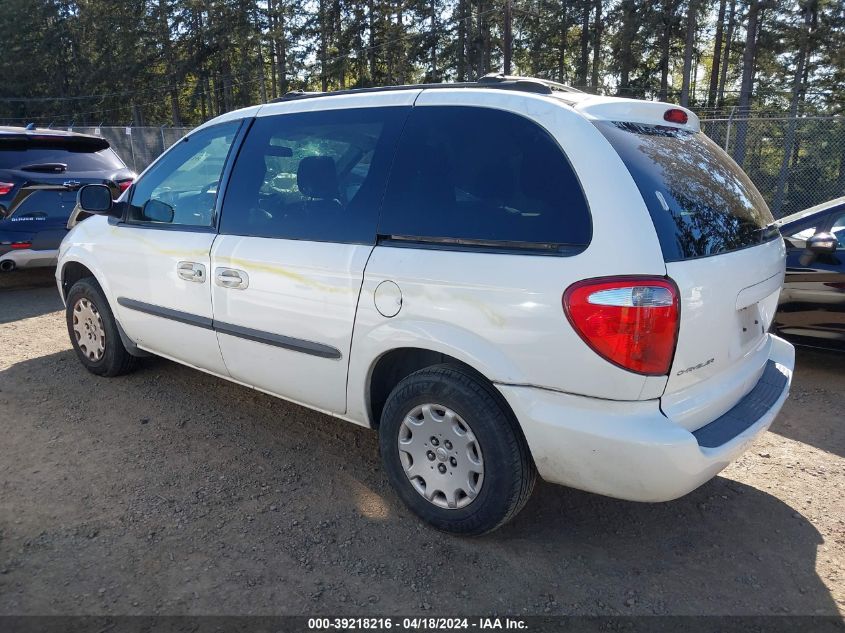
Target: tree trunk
x: 324, y: 45
x: 584, y: 58
x: 340, y: 45
x: 747, y: 85
x: 667, y: 9
x: 797, y: 90
x: 372, y: 43
x: 271, y: 33
x: 462, y: 40
x: 626, y: 61
x: 507, y: 38
x: 164, y: 28
x: 717, y: 55
x: 561, y: 52
x: 435, y: 76
x: 598, y: 27
x: 689, y: 49
x: 262, y: 84
x: 726, y: 56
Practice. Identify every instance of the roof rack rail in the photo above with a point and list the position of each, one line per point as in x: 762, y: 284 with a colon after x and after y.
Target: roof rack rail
x: 493, y: 80
x: 525, y: 84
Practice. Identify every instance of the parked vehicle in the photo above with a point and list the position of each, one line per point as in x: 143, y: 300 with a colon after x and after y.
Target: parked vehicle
x: 504, y: 278
x: 812, y: 305
x: 40, y: 173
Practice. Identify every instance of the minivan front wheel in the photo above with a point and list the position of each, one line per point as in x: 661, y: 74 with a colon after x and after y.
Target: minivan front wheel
x: 453, y: 452
x: 93, y: 331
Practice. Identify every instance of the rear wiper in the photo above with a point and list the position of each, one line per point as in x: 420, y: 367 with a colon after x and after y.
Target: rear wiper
x: 50, y: 168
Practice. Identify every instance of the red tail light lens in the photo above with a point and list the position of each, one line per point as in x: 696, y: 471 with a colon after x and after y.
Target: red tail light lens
x: 675, y: 115
x: 6, y: 187
x: 21, y: 245
x: 630, y: 321
x: 124, y: 185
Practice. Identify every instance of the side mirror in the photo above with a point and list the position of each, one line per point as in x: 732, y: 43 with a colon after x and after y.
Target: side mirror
x: 158, y: 211
x: 95, y: 199
x: 823, y: 243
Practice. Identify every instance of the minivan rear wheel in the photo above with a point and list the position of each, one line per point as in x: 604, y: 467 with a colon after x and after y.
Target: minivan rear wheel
x: 453, y: 451
x: 93, y: 331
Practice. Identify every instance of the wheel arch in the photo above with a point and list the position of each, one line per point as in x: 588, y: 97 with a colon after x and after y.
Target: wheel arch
x: 396, y: 364
x: 71, y: 272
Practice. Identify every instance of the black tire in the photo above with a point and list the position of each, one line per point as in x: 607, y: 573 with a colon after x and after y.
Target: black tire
x: 509, y: 472
x: 115, y: 360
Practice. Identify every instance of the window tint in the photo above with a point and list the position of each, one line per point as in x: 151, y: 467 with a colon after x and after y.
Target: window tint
x: 104, y: 160
x: 804, y: 234
x: 46, y: 204
x: 313, y: 176
x: 838, y: 230
x: 700, y: 201
x: 483, y: 176
x: 181, y: 188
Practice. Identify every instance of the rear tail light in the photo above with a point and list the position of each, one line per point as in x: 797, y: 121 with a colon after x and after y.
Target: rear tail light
x: 21, y: 245
x: 675, y: 115
x: 123, y: 185
x: 6, y: 187
x: 630, y: 321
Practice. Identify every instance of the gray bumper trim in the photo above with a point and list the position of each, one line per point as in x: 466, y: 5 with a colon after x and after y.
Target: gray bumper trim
x: 747, y: 411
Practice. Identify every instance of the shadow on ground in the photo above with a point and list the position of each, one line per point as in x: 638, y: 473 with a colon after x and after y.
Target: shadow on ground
x: 28, y: 293
x: 815, y: 411
x: 170, y: 491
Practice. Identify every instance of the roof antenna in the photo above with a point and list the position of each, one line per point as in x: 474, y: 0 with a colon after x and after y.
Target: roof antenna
x: 30, y: 126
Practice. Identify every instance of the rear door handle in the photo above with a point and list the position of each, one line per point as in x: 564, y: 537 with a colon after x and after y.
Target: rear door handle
x: 231, y: 278
x: 191, y: 271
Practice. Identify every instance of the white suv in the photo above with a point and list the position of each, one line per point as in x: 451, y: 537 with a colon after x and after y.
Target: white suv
x: 504, y: 278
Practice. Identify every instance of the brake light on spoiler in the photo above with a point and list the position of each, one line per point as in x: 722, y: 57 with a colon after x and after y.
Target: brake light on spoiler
x: 676, y: 115
x: 631, y: 322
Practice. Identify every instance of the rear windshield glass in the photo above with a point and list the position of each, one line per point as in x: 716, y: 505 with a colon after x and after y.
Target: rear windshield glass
x: 700, y: 201
x: 39, y: 159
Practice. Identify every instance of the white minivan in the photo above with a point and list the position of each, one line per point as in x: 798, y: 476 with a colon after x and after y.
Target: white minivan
x: 504, y: 278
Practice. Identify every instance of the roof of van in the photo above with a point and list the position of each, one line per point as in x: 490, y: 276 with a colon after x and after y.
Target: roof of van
x: 591, y: 106
x: 493, y: 81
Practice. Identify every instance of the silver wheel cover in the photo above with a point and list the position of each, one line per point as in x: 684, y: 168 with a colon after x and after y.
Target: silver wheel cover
x: 88, y: 329
x: 441, y: 456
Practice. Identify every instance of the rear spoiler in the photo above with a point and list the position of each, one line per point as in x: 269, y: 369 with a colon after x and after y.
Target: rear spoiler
x: 67, y: 142
x: 638, y: 111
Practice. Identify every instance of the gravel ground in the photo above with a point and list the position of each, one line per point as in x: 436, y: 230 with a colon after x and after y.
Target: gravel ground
x: 169, y: 491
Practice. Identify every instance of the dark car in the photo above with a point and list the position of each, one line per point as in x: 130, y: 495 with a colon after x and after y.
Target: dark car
x: 40, y: 172
x: 812, y: 304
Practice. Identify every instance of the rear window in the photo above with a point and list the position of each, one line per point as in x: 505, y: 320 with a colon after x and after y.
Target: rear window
x: 20, y: 154
x: 700, y: 201
x: 479, y: 177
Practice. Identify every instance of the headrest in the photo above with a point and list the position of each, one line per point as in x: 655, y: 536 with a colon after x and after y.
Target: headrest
x: 316, y: 177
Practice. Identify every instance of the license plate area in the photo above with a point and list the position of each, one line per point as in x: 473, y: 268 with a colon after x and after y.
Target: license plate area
x: 751, y: 325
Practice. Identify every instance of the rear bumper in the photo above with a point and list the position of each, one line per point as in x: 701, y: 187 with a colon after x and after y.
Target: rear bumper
x: 630, y: 450
x: 28, y: 258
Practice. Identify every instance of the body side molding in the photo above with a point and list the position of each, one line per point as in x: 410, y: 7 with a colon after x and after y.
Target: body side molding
x: 268, y: 338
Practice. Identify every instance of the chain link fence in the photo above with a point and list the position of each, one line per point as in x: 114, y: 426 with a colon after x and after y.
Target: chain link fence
x: 137, y: 146
x: 796, y: 162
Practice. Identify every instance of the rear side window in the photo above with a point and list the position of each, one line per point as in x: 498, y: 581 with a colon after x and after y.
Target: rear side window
x: 483, y: 177
x: 316, y: 176
x: 44, y: 155
x: 46, y: 204
x: 700, y: 201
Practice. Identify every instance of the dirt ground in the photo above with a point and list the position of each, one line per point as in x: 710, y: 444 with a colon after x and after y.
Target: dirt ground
x: 169, y: 491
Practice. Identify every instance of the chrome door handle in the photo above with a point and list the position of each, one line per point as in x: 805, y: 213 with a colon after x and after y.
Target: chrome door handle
x: 231, y: 278
x: 191, y: 271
